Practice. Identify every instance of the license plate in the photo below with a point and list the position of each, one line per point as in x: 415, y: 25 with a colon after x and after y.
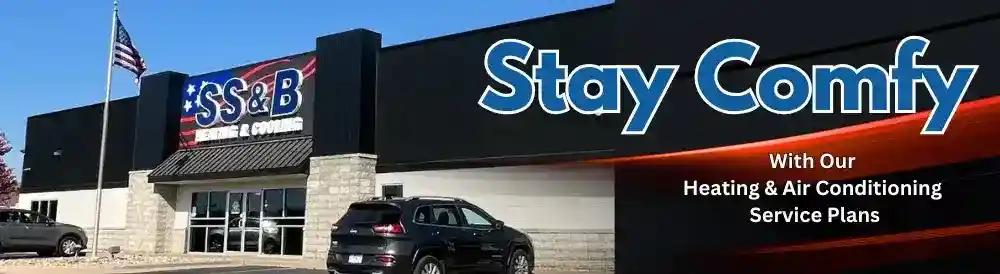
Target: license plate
x: 354, y: 259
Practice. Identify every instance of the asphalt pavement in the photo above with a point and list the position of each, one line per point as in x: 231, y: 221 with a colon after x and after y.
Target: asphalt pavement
x: 242, y: 269
x: 267, y: 270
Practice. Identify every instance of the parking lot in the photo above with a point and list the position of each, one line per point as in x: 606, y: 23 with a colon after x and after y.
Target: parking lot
x: 268, y: 270
x: 242, y: 269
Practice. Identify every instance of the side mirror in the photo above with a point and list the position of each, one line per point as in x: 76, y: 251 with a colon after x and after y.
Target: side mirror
x: 498, y: 225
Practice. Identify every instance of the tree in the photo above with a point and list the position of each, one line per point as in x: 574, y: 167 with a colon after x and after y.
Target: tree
x: 9, y: 188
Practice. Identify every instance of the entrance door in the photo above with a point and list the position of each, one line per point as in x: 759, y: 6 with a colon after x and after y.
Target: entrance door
x: 243, y: 221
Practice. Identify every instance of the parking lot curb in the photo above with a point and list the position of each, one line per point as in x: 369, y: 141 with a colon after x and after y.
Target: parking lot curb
x: 169, y: 267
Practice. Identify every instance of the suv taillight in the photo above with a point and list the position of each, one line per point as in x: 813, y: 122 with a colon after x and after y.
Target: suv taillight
x: 396, y: 228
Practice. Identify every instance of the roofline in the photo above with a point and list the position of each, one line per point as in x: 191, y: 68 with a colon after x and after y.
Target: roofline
x: 294, y: 55
x: 501, y: 26
x: 402, y: 45
x: 82, y: 107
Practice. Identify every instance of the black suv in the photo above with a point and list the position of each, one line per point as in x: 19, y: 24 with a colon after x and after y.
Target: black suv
x: 29, y: 231
x: 425, y: 235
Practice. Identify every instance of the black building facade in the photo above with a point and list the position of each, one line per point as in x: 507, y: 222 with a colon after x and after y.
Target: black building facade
x: 369, y: 118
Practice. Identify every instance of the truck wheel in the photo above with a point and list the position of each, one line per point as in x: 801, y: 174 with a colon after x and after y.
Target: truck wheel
x: 67, y: 246
x: 519, y: 263
x: 429, y: 265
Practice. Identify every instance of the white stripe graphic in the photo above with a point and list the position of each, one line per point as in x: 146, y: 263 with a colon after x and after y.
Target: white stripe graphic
x: 123, y: 47
x: 127, y: 66
x: 122, y: 55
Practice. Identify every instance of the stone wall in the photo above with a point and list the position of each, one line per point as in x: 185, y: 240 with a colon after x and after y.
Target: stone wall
x: 150, y: 214
x: 177, y: 243
x: 568, y: 250
x: 110, y: 236
x: 334, y: 183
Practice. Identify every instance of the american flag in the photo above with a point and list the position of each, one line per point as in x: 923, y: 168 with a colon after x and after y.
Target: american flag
x: 126, y: 56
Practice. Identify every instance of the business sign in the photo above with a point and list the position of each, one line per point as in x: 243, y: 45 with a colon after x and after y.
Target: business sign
x: 560, y: 89
x: 262, y: 101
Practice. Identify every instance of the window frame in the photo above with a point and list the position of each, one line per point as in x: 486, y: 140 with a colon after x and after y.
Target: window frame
x: 458, y: 215
x: 51, y: 208
x: 208, y: 217
x: 264, y: 207
x: 416, y: 212
x: 388, y: 185
x: 225, y: 204
x: 281, y: 228
x: 465, y: 220
x: 208, y: 202
x: 32, y: 217
x: 284, y: 202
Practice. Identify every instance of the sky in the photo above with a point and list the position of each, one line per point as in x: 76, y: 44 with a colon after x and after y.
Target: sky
x: 53, y: 54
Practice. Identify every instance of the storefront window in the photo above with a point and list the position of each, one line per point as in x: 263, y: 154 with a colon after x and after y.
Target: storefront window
x: 272, y: 240
x: 284, y: 218
x: 207, y: 223
x: 267, y: 221
x: 216, y: 237
x: 295, y: 202
x: 197, y: 239
x: 199, y: 204
x: 252, y: 240
x: 217, y: 204
x: 274, y: 201
x: 293, y: 241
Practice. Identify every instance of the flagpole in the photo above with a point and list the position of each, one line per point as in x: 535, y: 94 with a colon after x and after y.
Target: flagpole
x: 104, y: 129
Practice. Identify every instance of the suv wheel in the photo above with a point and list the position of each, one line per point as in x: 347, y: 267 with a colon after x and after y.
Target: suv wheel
x: 429, y: 265
x: 519, y: 263
x: 67, y: 246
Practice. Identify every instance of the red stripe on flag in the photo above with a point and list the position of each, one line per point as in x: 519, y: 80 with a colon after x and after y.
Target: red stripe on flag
x: 187, y: 119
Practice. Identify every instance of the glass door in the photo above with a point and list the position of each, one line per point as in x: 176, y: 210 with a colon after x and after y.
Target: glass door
x: 243, y: 221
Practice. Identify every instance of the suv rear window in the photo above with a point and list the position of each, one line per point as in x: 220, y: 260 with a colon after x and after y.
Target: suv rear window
x: 370, y: 214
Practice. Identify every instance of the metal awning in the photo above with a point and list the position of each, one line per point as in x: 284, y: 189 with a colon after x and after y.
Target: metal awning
x: 278, y: 157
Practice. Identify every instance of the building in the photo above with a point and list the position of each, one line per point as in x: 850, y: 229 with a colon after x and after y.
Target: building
x: 266, y: 171
x: 272, y: 179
